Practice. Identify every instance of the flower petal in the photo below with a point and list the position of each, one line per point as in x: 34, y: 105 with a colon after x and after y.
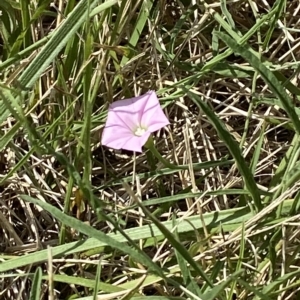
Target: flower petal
x: 153, y: 116
x: 118, y: 137
x: 129, y: 111
x: 128, y: 115
x: 117, y: 117
x: 114, y: 136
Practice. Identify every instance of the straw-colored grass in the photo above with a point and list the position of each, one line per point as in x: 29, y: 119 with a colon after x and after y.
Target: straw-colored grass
x: 81, y: 221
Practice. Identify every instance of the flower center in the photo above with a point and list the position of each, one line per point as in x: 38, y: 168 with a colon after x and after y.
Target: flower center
x: 139, y: 131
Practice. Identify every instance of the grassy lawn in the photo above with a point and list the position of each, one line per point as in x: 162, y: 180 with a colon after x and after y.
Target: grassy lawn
x: 209, y: 209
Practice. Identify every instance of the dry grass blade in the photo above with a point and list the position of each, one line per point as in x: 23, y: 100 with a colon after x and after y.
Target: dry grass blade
x: 77, y: 57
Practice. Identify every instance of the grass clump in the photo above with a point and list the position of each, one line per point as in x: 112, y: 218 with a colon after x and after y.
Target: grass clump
x: 81, y: 221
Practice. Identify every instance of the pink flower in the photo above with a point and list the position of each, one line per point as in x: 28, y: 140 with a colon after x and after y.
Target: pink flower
x: 131, y: 121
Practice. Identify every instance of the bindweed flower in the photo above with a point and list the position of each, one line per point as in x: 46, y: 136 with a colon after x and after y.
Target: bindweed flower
x: 130, y: 122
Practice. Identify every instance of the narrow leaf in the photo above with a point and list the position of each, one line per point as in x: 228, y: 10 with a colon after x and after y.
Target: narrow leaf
x: 233, y: 148
x: 266, y: 74
x: 35, y: 293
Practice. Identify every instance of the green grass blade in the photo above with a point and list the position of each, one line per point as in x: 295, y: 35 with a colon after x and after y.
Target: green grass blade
x: 240, y: 261
x: 219, y: 288
x: 241, y: 40
x: 35, y: 293
x: 279, y: 174
x: 91, y: 232
x: 227, y: 14
x: 231, y: 217
x: 266, y: 74
x: 58, y: 40
x: 176, y: 245
x: 138, y: 28
x: 233, y: 148
x: 279, y: 8
x: 254, y: 290
x: 258, y: 149
x: 84, y: 282
x: 188, y: 279
x: 269, y: 288
x: 97, y: 280
x: 25, y: 34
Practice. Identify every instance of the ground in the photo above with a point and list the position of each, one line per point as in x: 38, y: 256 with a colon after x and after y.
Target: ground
x: 212, y: 213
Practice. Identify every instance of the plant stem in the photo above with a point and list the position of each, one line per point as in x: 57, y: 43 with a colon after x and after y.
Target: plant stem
x: 150, y: 145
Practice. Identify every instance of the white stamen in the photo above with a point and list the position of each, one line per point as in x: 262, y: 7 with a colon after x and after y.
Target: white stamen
x: 139, y: 131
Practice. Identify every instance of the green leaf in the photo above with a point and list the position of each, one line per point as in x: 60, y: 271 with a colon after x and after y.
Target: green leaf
x: 188, y: 279
x: 84, y: 282
x: 248, y: 54
x: 219, y: 288
x: 172, y: 240
x: 274, y: 102
x: 279, y: 6
x: 232, y: 70
x: 35, y: 293
x: 282, y: 280
x: 97, y: 280
x: 227, y: 14
x: 231, y: 217
x: 59, y: 39
x: 232, y: 146
x: 138, y: 27
x: 137, y: 254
